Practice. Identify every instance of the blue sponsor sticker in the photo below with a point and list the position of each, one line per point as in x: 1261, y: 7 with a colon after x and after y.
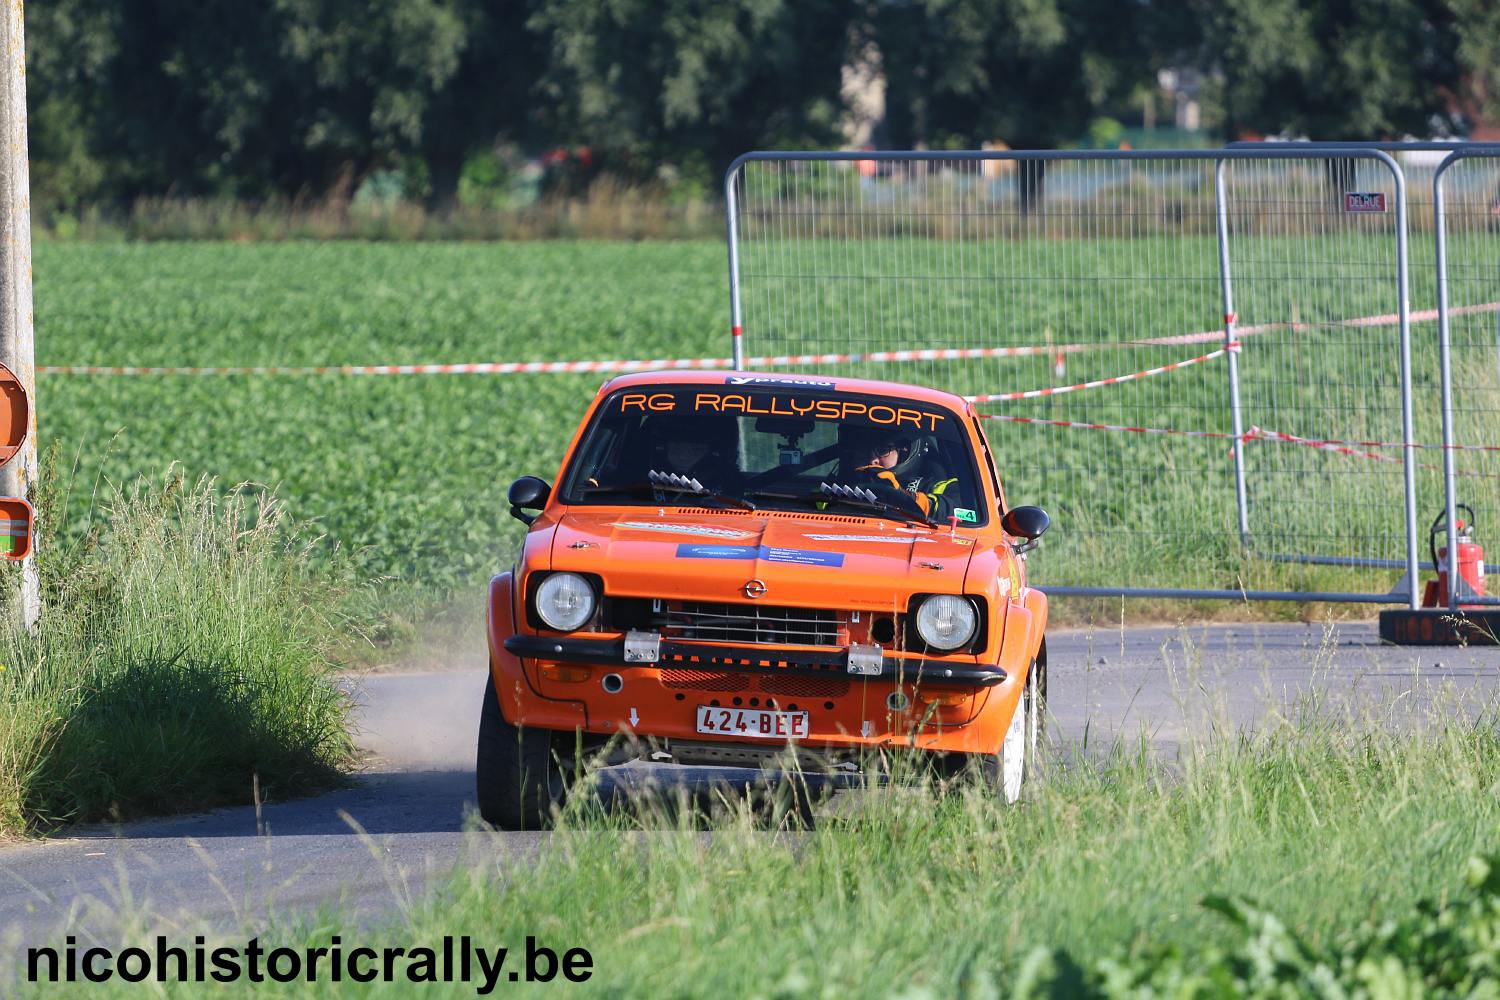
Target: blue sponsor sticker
x: 770, y: 553
x: 686, y: 551
x: 802, y: 557
x: 796, y: 383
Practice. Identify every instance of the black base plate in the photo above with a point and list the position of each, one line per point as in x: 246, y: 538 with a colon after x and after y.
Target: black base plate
x: 1441, y: 627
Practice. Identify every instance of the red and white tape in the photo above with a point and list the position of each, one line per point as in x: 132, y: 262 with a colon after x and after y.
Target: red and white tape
x: 476, y: 368
x: 1056, y: 351
x: 1261, y: 434
x: 1082, y: 425
x: 1253, y: 434
x: 1334, y: 444
x: 595, y: 367
x: 1385, y: 319
x: 998, y: 397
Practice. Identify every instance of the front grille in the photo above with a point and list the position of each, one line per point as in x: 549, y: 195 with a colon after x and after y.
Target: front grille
x: 704, y: 680
x: 806, y: 687
x: 752, y: 623
x: 719, y: 680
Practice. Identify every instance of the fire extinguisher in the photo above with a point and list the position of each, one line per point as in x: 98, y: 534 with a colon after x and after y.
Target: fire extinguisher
x: 1470, y: 559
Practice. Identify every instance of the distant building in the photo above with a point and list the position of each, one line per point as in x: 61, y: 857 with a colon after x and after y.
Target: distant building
x: 864, y: 97
x: 1182, y: 86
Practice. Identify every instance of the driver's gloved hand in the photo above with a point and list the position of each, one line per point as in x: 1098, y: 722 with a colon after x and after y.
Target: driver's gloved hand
x: 884, y: 484
x: 880, y: 476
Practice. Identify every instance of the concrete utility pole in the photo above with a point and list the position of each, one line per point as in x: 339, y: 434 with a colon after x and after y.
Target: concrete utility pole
x: 17, y: 477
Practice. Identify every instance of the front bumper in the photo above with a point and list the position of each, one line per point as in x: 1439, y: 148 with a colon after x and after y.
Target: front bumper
x: 766, y: 660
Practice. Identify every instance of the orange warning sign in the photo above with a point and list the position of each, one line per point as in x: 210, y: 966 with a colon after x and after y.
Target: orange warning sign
x: 16, y: 523
x: 15, y: 415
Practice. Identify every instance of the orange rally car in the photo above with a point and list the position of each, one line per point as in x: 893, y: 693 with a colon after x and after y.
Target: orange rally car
x: 734, y: 562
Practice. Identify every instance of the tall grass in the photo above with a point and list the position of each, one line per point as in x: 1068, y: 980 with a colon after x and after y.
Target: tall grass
x: 905, y: 889
x: 180, y: 660
x: 1324, y: 855
x: 608, y: 210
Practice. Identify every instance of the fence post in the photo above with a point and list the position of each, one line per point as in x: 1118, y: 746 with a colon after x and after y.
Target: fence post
x: 1445, y: 376
x: 1236, y: 417
x: 1403, y: 308
x: 732, y: 220
x: 18, y: 476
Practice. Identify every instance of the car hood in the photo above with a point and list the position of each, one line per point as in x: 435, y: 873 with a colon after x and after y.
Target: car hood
x: 804, y: 561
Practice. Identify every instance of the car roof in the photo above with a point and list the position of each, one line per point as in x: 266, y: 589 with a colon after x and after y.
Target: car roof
x: 872, y: 387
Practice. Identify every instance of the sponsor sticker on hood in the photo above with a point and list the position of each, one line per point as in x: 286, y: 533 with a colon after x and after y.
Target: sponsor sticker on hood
x: 887, y: 539
x: 702, y: 530
x: 770, y: 553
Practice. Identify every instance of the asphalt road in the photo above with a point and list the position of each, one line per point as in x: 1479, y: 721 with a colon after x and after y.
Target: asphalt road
x: 375, y: 845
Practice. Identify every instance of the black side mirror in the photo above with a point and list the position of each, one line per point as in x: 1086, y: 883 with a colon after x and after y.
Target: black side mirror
x: 530, y: 493
x: 1025, y: 522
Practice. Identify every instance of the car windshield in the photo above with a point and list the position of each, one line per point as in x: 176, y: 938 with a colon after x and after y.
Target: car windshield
x: 787, y: 445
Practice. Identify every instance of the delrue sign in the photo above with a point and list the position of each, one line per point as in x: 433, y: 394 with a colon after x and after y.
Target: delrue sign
x: 1355, y: 201
x: 17, y: 520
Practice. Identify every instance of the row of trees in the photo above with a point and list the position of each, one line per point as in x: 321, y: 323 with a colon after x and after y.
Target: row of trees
x: 308, y: 97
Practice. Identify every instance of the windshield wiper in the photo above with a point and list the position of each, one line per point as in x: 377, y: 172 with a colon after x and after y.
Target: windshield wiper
x: 859, y: 496
x: 854, y: 496
x: 671, y: 482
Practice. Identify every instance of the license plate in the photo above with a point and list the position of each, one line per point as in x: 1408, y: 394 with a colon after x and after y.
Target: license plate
x: 755, y: 722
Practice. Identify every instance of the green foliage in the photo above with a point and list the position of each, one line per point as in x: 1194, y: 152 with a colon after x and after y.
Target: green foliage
x: 180, y: 660
x: 1335, y: 69
x: 1476, y: 26
x: 1032, y: 73
x: 298, y: 98
x: 66, y: 45
x: 1105, y: 133
x: 293, y: 96
x: 487, y: 180
x: 1442, y: 948
x: 645, y: 83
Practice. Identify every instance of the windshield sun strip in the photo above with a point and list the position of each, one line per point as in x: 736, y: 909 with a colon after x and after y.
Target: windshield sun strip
x: 581, y: 494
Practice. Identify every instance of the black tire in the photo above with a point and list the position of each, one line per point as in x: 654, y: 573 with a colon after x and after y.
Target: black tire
x: 1040, y: 666
x: 521, y: 776
x: 1041, y: 677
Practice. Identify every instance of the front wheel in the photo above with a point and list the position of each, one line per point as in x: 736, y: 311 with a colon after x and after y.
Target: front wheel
x: 1006, y: 772
x: 1018, y: 752
x: 521, y: 776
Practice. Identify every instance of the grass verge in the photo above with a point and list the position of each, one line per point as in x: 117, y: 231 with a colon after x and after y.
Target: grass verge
x: 1319, y: 858
x: 1106, y: 867
x: 179, y: 661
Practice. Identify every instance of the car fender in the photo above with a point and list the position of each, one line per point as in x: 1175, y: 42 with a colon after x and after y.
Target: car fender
x: 512, y: 686
x: 1025, y: 626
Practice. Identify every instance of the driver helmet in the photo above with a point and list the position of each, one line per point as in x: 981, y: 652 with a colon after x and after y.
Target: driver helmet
x: 875, y: 447
x: 688, y: 444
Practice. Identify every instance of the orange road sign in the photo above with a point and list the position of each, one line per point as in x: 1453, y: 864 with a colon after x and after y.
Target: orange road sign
x: 14, y: 414
x: 16, y: 523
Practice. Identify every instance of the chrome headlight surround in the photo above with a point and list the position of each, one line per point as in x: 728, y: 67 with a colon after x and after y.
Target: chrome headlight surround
x: 565, y: 602
x: 946, y: 622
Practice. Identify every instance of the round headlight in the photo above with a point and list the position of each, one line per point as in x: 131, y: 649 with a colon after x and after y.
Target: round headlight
x: 564, y: 601
x: 945, y: 621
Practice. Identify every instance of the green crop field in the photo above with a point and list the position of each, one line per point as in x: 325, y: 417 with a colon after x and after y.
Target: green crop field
x: 408, y: 474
